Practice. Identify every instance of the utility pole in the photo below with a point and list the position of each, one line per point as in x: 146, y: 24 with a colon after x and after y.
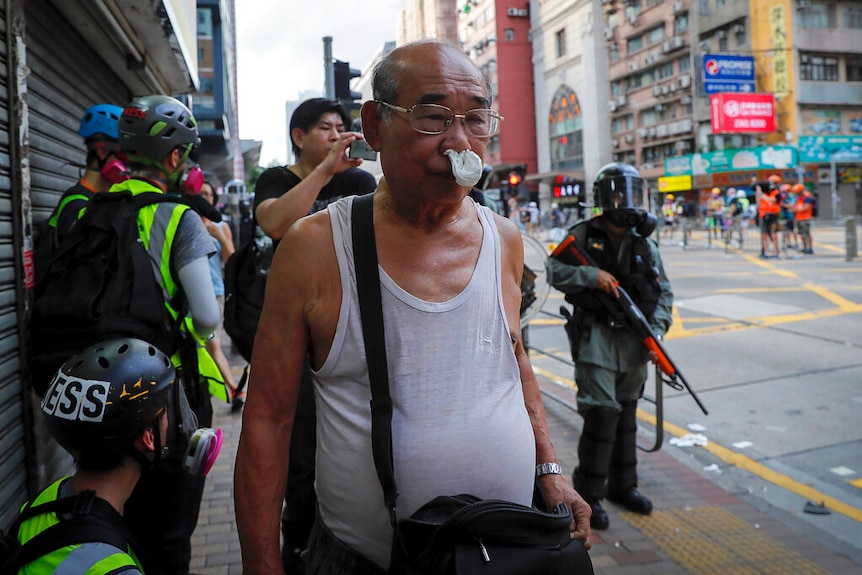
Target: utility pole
x: 328, y: 68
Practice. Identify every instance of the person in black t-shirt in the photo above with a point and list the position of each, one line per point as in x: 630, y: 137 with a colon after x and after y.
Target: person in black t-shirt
x: 322, y: 174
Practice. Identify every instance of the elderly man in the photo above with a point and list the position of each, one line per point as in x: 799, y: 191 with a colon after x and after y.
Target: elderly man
x: 467, y: 411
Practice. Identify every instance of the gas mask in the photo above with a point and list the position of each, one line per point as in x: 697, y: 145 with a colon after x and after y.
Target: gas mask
x: 191, y: 180
x: 643, y: 222
x: 114, y: 170
x: 194, y: 448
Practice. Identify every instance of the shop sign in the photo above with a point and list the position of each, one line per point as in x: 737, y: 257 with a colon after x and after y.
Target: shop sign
x: 754, y: 158
x: 825, y: 149
x: 742, y: 113
x: 674, y: 184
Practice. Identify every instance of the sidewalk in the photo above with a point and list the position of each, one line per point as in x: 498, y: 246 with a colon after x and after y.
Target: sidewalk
x: 696, y: 526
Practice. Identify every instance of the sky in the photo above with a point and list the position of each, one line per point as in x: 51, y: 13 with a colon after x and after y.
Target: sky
x: 280, y: 56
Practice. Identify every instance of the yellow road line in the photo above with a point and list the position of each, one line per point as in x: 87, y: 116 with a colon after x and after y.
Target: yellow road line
x: 762, y: 471
x: 740, y: 461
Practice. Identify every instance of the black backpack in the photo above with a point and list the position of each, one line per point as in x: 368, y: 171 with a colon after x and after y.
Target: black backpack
x: 99, y: 285
x: 245, y: 275
x: 90, y: 520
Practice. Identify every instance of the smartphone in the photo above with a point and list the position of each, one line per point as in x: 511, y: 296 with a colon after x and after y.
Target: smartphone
x: 361, y: 149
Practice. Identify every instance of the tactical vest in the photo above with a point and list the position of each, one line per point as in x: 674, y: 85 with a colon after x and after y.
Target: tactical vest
x: 637, y: 274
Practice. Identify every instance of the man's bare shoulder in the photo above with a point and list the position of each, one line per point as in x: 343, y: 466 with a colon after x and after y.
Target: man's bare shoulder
x: 509, y: 232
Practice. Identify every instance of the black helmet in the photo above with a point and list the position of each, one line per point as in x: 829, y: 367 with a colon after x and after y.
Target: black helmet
x: 153, y: 126
x: 103, y: 397
x: 618, y: 186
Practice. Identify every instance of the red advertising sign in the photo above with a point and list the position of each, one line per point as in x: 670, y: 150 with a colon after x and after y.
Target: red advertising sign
x: 736, y: 112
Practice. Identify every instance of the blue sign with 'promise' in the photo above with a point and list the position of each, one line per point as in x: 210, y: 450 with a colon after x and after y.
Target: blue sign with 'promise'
x: 726, y: 73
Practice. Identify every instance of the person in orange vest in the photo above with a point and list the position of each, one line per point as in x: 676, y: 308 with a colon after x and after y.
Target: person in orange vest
x: 804, y: 213
x: 767, y: 211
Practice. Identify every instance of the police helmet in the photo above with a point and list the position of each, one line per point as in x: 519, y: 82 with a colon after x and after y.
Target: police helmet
x: 151, y: 127
x: 100, y: 399
x: 618, y: 186
x: 100, y: 119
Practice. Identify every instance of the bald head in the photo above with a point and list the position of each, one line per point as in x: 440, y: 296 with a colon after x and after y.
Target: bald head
x: 418, y: 58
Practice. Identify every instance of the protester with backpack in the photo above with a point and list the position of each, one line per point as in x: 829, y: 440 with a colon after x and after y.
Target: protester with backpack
x: 106, y: 165
x: 159, y: 135
x: 117, y: 409
x: 322, y: 174
x: 804, y: 211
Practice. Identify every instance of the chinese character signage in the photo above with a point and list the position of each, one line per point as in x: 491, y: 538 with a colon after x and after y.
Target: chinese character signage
x: 724, y: 73
x: 754, y: 158
x: 674, y: 184
x: 742, y: 113
x: 780, y: 72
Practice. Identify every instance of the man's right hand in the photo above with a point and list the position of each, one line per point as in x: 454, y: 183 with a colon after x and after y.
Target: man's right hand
x: 336, y: 160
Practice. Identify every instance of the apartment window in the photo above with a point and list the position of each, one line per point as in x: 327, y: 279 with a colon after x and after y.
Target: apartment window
x: 566, y: 131
x: 684, y: 64
x: 656, y: 35
x: 719, y: 4
x: 561, y: 43
x: 651, y: 3
x: 648, y: 118
x: 854, y: 68
x: 740, y: 36
x: 817, y: 16
x: 509, y: 34
x: 616, y: 88
x: 635, y: 44
x: 852, y: 16
x: 818, y: 68
x: 723, y: 44
x: 617, y: 125
x: 633, y: 82
x: 665, y: 70
x: 681, y: 23
x: 704, y: 7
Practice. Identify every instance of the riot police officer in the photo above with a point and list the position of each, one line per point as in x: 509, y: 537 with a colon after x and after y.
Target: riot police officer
x: 611, y: 362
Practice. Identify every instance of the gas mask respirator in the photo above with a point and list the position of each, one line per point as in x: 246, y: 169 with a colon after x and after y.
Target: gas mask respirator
x: 114, y: 170
x: 643, y: 222
x: 194, y: 448
x: 191, y: 180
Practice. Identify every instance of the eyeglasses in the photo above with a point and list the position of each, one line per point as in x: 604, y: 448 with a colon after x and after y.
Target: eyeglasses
x: 436, y: 119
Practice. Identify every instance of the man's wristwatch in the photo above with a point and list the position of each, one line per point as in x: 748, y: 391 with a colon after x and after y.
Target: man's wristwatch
x: 548, y: 469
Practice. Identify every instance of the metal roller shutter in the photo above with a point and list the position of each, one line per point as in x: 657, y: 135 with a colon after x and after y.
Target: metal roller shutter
x: 66, y: 77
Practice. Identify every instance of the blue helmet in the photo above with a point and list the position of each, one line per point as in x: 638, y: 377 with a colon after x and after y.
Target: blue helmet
x: 101, y: 119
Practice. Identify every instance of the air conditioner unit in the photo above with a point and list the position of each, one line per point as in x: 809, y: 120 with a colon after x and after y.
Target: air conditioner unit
x: 517, y: 12
x: 612, y: 106
x: 682, y: 145
x: 677, y: 42
x: 641, y: 132
x: 630, y: 138
x: 665, y: 89
x: 656, y: 90
x: 672, y: 86
x: 633, y: 19
x: 633, y: 65
x: 650, y: 133
x: 621, y: 100
x: 721, y: 34
x: 658, y: 108
x: 685, y: 100
x: 737, y: 28
x: 615, y: 143
x: 705, y: 46
x: 647, y: 166
x: 678, y: 7
x: 684, y: 81
x: 609, y: 33
x: 665, y: 46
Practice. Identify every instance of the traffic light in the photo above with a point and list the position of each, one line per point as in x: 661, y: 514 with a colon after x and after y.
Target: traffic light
x: 343, y: 74
x: 514, y: 179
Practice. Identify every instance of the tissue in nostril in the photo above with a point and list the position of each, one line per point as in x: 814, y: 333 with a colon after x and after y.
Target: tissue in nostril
x: 466, y: 167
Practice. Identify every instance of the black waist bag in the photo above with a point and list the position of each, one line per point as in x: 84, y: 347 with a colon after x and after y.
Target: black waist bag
x: 458, y: 534
x: 463, y: 534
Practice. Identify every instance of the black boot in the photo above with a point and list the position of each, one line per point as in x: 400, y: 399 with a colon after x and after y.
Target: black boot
x: 594, y: 456
x: 623, y: 477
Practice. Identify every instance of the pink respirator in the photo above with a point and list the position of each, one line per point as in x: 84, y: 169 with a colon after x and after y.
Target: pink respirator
x: 114, y: 170
x: 192, y: 180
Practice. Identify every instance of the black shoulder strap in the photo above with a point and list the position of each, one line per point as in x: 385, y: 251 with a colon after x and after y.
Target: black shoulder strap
x: 93, y: 520
x: 371, y: 313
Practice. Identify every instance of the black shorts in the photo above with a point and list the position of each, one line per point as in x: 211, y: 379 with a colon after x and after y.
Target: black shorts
x: 767, y: 223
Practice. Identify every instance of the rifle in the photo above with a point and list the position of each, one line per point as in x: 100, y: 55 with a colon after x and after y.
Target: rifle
x: 623, y: 309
